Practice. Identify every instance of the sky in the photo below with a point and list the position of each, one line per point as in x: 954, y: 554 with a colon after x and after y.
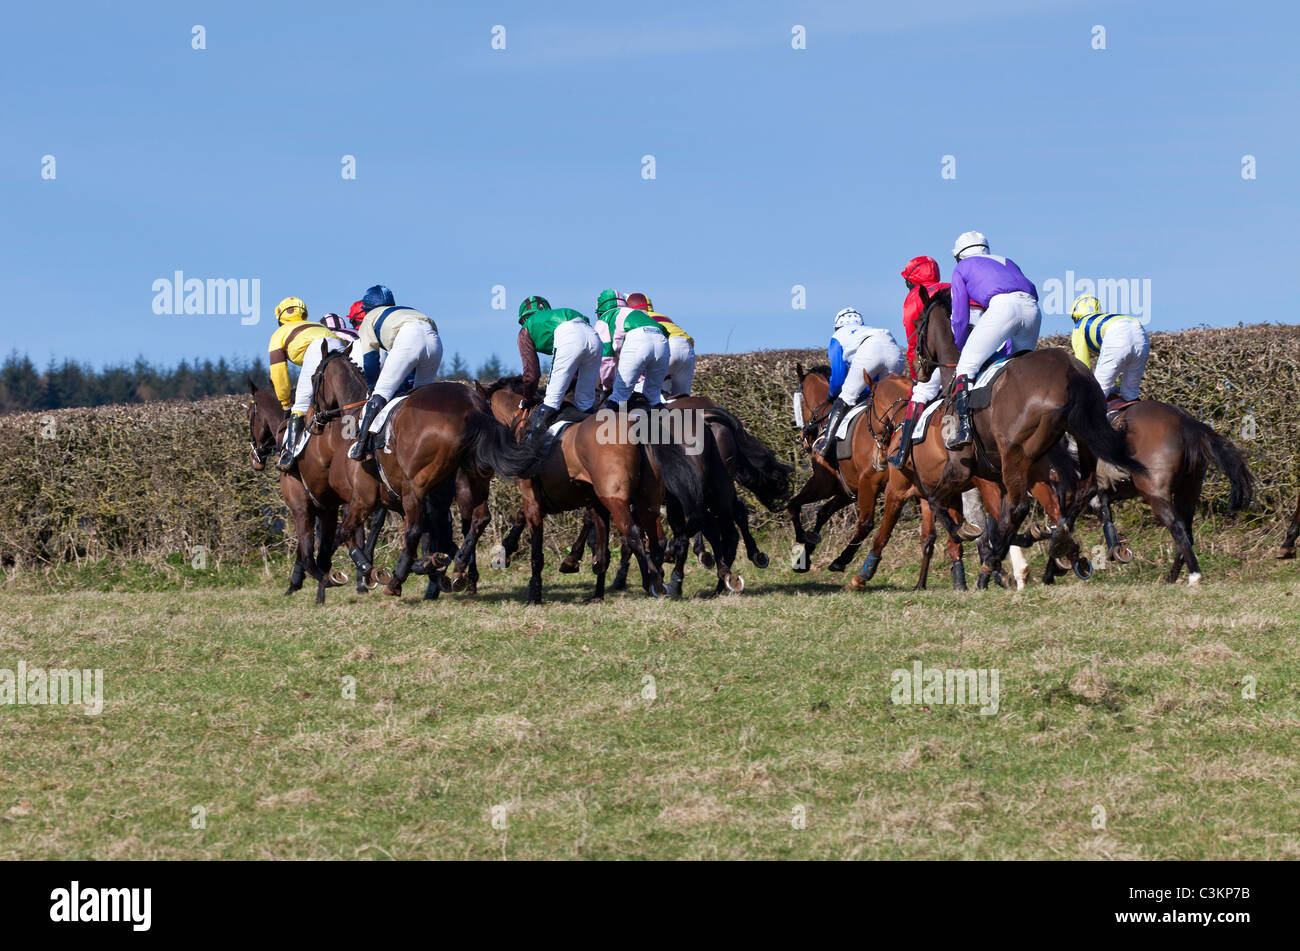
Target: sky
x: 127, y: 155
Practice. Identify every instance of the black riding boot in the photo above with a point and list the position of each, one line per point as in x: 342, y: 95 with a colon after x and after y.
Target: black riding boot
x: 899, y: 458
x: 291, y: 437
x: 540, y: 421
x: 838, y: 409
x: 961, y: 409
x: 361, y: 448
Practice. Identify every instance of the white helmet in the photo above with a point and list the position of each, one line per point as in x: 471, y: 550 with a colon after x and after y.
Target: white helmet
x: 971, y: 242
x: 848, y: 317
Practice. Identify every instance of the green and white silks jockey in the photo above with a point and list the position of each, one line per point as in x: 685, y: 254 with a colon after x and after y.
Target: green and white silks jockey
x: 575, y: 350
x: 633, y: 346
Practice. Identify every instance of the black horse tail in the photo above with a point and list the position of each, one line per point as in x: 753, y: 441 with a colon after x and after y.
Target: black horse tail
x: 757, y: 467
x: 1086, y: 421
x: 490, y: 446
x: 1202, y: 445
x: 683, y: 480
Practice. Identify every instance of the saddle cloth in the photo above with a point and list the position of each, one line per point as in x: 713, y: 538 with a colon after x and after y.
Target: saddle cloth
x: 981, y: 393
x: 923, y: 421
x: 380, y: 429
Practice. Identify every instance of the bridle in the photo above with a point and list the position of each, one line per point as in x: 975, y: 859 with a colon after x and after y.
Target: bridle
x: 320, y: 416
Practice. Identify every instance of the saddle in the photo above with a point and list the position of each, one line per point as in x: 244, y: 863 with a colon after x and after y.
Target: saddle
x: 981, y: 391
x: 380, y: 429
x: 1117, y: 406
x: 844, y: 448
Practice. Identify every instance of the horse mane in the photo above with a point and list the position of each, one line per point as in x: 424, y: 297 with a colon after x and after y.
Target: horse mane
x: 822, y: 369
x: 515, y: 382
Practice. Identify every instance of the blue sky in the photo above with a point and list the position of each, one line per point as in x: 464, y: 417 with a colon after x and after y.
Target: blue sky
x: 522, y: 167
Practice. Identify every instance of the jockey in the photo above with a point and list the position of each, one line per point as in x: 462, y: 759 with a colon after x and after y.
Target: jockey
x: 921, y: 271
x: 633, y: 344
x: 575, y: 359
x: 858, y: 354
x: 411, y: 339
x: 1117, y: 343
x: 341, y: 327
x: 296, y: 341
x: 681, y: 348
x: 356, y: 314
x: 1010, y: 303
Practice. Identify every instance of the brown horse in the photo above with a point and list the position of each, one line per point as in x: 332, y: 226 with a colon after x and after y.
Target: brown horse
x: 861, y: 477
x: 622, y: 481
x: 1038, y: 398
x: 1053, y: 484
x: 1175, y: 450
x: 1288, y: 544
x: 440, y: 430
x: 313, y: 491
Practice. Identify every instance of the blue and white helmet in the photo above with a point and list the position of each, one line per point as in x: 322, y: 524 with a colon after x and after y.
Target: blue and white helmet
x: 848, y: 317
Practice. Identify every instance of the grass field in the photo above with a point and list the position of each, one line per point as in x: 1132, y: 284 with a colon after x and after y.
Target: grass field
x: 489, y: 730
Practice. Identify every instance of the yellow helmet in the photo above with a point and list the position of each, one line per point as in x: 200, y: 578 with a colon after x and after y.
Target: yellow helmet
x: 1085, y: 306
x: 291, y: 308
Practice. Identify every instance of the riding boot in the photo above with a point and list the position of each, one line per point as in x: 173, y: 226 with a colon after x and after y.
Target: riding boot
x: 540, y: 421
x: 291, y: 437
x: 838, y: 409
x: 961, y: 409
x: 361, y: 448
x: 899, y: 458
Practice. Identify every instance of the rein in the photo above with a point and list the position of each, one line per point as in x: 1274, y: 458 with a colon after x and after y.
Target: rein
x: 321, y: 418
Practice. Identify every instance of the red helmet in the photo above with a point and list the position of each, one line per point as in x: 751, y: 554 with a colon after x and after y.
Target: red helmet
x: 638, y: 302
x: 922, y: 270
x: 357, y: 313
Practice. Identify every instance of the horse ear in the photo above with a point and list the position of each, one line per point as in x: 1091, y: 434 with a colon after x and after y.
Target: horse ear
x: 252, y: 387
x: 798, y: 369
x: 324, y: 347
x: 922, y: 294
x: 482, y: 390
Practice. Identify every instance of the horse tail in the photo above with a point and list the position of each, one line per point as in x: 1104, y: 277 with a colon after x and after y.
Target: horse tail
x: 490, y: 446
x: 1086, y: 421
x: 682, y: 480
x: 1202, y: 445
x: 756, y: 467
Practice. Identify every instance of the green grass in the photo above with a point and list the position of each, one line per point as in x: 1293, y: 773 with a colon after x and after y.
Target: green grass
x: 1120, y: 693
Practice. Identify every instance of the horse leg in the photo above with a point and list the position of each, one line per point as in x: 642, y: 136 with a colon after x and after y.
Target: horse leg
x: 895, y: 496
x: 1288, y: 544
x: 472, y: 525
x: 502, y: 554
x: 702, y: 554
x: 928, y: 535
x: 329, y: 519
x: 756, y: 556
x: 634, y: 538
x: 868, y: 491
x: 600, y: 553
x: 538, y: 560
x: 574, y: 558
x: 624, y: 559
x: 678, y: 548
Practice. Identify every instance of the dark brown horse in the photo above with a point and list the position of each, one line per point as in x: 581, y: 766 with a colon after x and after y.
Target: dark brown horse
x: 1175, y: 451
x: 439, y: 431
x: 1288, y: 544
x: 1038, y: 398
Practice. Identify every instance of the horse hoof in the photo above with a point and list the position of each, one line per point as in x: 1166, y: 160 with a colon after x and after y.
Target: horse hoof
x: 568, y: 567
x: 1083, y: 568
x: 382, y: 575
x: 459, y: 583
x: 835, y: 566
x: 1193, y: 579
x: 499, y: 559
x: 1283, y: 554
x: 658, y: 590
x: 393, y: 592
x: 1064, y: 564
x: 336, y: 578
x: 856, y: 583
x: 619, y: 583
x: 439, y: 560
x: 735, y: 583
x: 1122, y: 554
x: 443, y: 583
x: 760, y: 559
x: 982, y: 582
x: 706, y: 560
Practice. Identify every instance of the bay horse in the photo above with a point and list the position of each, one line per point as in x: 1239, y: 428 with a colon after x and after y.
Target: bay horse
x: 616, y: 480
x: 1175, y: 450
x: 312, y: 491
x: 748, y: 461
x: 1288, y: 544
x: 1037, y: 399
x: 439, y: 431
x: 1052, y: 482
x: 861, y: 477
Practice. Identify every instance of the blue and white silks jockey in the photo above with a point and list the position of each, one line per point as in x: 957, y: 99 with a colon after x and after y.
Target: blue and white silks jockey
x: 859, y: 356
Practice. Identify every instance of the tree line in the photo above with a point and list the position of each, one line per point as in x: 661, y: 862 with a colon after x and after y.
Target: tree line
x: 24, y: 387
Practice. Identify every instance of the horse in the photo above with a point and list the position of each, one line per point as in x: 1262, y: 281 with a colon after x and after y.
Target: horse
x: 1052, y: 483
x: 616, y: 479
x: 1288, y: 544
x: 862, y: 476
x: 1035, y: 401
x: 313, y: 491
x: 439, y: 431
x: 1175, y: 450
x: 748, y: 461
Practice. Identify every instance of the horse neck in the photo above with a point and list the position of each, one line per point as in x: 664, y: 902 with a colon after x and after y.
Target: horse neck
x: 341, y: 383
x: 816, y: 391
x: 943, y: 348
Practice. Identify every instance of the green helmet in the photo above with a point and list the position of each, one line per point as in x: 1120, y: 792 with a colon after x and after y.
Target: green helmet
x: 531, y: 306
x: 608, y: 300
